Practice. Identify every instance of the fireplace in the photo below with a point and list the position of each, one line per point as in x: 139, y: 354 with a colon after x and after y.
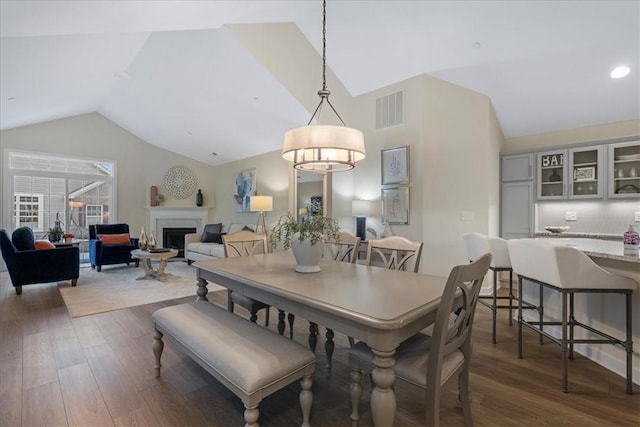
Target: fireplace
x: 173, y: 238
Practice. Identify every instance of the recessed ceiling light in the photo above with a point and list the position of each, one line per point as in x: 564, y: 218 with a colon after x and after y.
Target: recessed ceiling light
x: 11, y: 98
x: 476, y: 46
x: 620, y: 72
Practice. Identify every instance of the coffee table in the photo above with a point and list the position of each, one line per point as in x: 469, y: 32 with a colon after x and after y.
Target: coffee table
x: 146, y: 257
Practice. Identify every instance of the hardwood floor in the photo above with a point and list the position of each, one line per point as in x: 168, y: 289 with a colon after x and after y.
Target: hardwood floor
x: 98, y: 370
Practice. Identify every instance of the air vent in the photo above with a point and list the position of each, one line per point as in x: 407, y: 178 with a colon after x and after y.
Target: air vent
x: 390, y: 110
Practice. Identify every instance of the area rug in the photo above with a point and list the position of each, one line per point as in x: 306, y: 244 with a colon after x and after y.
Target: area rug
x: 116, y: 287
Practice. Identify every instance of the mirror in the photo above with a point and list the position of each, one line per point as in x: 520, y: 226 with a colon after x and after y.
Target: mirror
x: 310, y: 189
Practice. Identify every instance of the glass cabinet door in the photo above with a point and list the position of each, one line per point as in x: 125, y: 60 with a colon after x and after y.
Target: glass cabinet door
x: 586, y: 172
x: 624, y: 170
x: 552, y: 175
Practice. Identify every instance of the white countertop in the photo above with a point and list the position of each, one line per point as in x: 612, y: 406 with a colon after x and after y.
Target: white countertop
x: 598, y: 248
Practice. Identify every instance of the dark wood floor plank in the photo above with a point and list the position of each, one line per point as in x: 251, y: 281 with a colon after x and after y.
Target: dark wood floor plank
x: 11, y: 333
x: 11, y: 391
x: 116, y: 387
x: 43, y: 406
x: 82, y: 398
x: 67, y: 352
x: 87, y: 331
x: 39, y: 366
x: 140, y: 417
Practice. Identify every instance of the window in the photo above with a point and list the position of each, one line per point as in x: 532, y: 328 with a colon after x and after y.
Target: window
x: 79, y: 191
x: 29, y: 210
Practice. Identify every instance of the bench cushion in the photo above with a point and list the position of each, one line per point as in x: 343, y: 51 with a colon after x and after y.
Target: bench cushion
x: 247, y: 355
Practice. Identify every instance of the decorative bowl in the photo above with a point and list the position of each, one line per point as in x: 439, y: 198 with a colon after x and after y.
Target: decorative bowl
x: 557, y: 228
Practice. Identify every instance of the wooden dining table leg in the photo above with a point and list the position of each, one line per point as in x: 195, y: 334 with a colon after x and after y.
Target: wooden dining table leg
x: 383, y: 398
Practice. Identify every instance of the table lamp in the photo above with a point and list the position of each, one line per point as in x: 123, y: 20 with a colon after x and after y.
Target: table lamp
x: 361, y: 209
x: 261, y: 204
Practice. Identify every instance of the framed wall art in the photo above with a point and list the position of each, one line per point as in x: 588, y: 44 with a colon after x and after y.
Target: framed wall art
x: 243, y: 188
x: 395, y: 165
x: 395, y: 205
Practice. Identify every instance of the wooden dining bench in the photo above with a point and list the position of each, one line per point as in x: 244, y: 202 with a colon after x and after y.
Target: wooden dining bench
x: 250, y: 360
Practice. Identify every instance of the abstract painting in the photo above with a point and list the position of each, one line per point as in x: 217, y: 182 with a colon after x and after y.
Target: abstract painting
x: 244, y: 187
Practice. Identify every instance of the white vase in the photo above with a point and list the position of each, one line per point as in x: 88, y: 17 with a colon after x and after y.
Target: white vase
x: 307, y: 255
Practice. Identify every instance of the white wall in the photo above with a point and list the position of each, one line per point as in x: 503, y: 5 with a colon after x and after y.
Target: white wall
x: 272, y: 179
x: 139, y: 165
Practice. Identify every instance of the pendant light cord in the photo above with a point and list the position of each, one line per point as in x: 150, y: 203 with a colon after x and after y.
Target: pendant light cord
x: 324, y: 92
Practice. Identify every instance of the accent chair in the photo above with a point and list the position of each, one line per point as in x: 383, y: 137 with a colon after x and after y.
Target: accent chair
x: 111, y: 244
x: 28, y: 265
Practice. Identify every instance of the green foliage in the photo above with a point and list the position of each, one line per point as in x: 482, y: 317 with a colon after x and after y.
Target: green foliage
x: 313, y: 228
x: 55, y: 233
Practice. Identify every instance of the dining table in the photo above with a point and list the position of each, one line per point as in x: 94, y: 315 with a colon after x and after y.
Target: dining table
x: 376, y: 305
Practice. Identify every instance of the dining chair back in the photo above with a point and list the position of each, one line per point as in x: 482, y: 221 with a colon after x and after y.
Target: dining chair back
x: 429, y: 362
x: 344, y: 248
x: 395, y: 252
x: 240, y: 244
x: 244, y: 243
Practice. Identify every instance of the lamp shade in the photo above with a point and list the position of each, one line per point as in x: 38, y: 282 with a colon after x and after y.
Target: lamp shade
x: 323, y: 148
x: 261, y: 203
x: 361, y: 208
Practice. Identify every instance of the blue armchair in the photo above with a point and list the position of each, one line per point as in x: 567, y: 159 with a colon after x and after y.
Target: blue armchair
x: 105, y: 253
x: 28, y: 266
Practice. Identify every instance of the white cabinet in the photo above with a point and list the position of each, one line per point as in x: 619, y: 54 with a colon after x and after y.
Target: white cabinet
x: 552, y: 175
x: 586, y: 172
x: 576, y: 173
x: 516, y: 213
x: 516, y: 195
x: 624, y: 170
x: 517, y: 167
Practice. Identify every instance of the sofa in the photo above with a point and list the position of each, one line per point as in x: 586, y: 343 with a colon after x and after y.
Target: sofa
x: 208, y: 244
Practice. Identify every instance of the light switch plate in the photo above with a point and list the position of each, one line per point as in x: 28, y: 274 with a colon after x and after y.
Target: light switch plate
x: 636, y: 216
x: 466, y: 216
x: 571, y: 216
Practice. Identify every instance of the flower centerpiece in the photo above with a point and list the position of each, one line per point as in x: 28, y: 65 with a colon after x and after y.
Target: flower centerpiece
x: 305, y: 238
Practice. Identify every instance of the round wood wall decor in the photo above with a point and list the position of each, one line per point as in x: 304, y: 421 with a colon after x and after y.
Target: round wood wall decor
x: 180, y: 182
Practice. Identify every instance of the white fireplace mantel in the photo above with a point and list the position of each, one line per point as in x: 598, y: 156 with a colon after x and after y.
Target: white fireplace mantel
x: 159, y: 217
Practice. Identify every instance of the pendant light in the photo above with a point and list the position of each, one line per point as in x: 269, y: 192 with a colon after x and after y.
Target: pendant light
x: 323, y: 148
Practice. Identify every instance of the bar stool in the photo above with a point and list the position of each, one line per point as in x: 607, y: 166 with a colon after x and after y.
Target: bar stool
x: 568, y: 271
x: 476, y: 245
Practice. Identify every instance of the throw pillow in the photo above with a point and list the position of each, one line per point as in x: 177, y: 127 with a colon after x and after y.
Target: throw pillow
x: 23, y: 239
x: 115, y: 239
x: 43, y: 244
x: 211, y: 228
x: 213, y: 237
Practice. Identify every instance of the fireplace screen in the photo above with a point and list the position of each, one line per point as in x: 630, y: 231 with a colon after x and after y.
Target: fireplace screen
x: 173, y: 238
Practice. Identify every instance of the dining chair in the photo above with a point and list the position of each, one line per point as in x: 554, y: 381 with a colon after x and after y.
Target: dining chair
x: 395, y: 252
x: 429, y: 362
x: 240, y: 244
x: 569, y: 271
x: 477, y: 244
x: 344, y: 249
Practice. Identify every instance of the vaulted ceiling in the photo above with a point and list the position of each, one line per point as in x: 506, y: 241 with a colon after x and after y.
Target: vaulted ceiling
x: 175, y: 74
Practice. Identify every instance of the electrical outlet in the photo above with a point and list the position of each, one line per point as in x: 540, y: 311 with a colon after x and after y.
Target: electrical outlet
x: 571, y: 216
x: 466, y: 216
x: 636, y: 216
